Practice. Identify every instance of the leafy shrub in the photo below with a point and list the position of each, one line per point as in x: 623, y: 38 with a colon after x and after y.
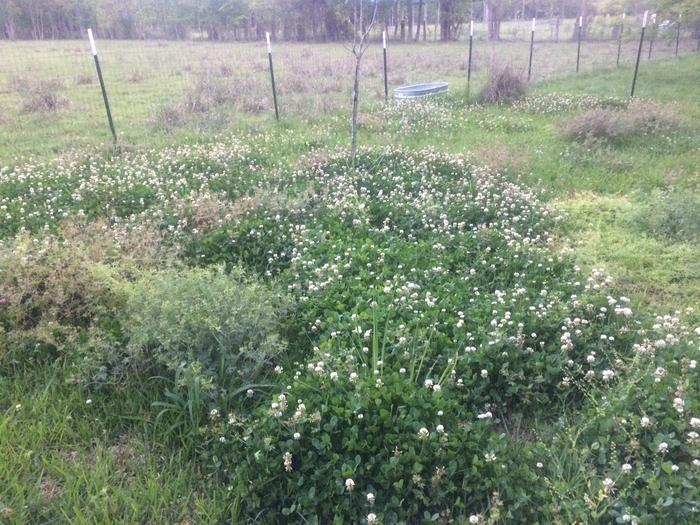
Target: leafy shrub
x: 504, y: 86
x: 224, y: 322
x: 617, y: 126
x: 43, y: 96
x: 52, y: 293
x: 671, y: 216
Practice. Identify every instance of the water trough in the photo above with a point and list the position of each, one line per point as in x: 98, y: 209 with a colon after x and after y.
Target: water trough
x: 421, y: 90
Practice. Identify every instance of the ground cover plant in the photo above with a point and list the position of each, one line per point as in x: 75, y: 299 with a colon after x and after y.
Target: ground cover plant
x: 261, y: 329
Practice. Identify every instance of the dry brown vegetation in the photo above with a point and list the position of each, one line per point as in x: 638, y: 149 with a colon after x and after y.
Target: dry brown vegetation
x: 616, y: 125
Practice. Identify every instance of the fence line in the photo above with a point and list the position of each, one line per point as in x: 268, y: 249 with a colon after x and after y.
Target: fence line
x: 50, y: 95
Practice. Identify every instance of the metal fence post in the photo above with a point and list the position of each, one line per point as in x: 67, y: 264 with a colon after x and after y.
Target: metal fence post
x: 386, y: 80
x: 578, y: 52
x: 272, y: 75
x: 619, y: 40
x: 532, y: 45
x: 639, y: 52
x: 93, y: 48
x: 469, y: 62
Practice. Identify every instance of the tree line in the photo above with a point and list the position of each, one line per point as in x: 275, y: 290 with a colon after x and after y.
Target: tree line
x: 295, y: 20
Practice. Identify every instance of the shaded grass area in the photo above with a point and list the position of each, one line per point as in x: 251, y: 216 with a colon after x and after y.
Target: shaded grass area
x: 70, y: 458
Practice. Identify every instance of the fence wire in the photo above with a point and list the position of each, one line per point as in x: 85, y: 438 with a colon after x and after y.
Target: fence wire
x: 50, y: 96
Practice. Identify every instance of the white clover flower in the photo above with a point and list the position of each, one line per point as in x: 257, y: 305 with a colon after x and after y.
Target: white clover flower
x: 626, y: 467
x: 296, y: 436
x: 88, y: 401
x: 349, y: 484
x: 663, y: 447
x: 608, y: 485
x: 440, y: 429
x: 679, y: 405
x: 353, y: 377
x: 484, y: 373
x: 287, y: 457
x: 334, y: 376
x: 474, y: 518
x: 222, y: 439
x: 250, y: 392
x: 695, y: 422
x: 540, y: 464
x: 371, y: 519
x: 423, y: 433
x: 675, y: 468
x: 370, y: 498
x: 645, y: 422
x: 608, y: 375
x: 214, y: 413
x: 485, y: 415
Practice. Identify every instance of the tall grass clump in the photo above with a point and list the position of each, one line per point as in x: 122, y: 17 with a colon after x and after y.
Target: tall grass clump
x: 616, y: 126
x: 503, y: 86
x: 670, y: 215
x: 42, y: 96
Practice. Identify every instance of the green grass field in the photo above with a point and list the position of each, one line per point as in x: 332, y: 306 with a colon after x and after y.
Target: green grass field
x: 75, y: 454
x: 151, y: 85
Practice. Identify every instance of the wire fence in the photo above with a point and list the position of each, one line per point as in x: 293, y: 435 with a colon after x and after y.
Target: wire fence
x: 50, y: 98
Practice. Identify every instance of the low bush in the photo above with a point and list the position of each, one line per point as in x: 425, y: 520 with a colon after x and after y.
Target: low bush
x: 208, y: 93
x: 43, y: 96
x: 225, y: 323
x: 167, y: 117
x: 670, y: 216
x: 616, y: 126
x: 52, y: 294
x: 504, y: 86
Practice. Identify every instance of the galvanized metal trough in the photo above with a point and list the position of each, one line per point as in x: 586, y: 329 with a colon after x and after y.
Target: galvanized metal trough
x: 421, y: 90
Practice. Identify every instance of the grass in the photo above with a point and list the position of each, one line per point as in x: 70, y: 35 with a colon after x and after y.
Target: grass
x: 64, y: 460
x: 313, y: 81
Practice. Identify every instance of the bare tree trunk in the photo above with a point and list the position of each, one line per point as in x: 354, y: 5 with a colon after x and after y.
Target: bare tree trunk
x: 359, y: 46
x: 420, y: 19
x: 355, y: 105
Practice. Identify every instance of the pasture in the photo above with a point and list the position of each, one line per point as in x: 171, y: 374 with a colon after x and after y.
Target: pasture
x: 490, y: 315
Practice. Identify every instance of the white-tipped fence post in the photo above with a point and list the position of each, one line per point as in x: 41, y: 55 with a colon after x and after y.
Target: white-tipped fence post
x: 469, y: 61
x: 272, y: 74
x: 386, y: 80
x: 639, y: 53
x: 532, y: 45
x: 93, y: 48
x: 578, y: 52
x: 619, y: 40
